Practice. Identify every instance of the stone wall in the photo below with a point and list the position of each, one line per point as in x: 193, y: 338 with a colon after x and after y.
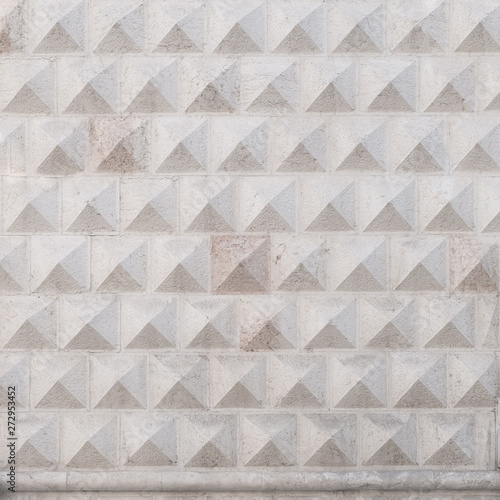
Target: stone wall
x: 254, y: 239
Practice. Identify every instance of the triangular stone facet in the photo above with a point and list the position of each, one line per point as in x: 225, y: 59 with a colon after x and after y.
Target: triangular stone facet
x: 419, y: 161
x: 389, y: 337
x: 209, y: 338
x: 390, y: 100
x: 241, y: 281
x: 449, y: 100
x: 269, y: 456
x: 59, y: 281
x: 270, y: 98
x: 150, y: 100
x: 90, y: 220
x: 478, y: 281
x: 389, y: 219
x: 149, y: 338
x: 239, y: 397
x: 176, y: 40
x: 118, y: 397
x: 88, y: 457
x: 28, y: 337
x: 30, y: 220
x: 330, y: 101
x: 329, y: 220
x: 178, y: 398
x: 417, y: 40
x: 389, y: 454
x: 301, y: 160
x: 180, y: 160
x: 269, y: 220
x: 329, y: 337
x: 449, y: 336
x: 419, y: 396
x: 329, y: 455
x: 240, y: 160
x: 300, y: 396
x: 120, y: 281
x: 29, y: 456
x: 8, y: 283
x: 210, y: 100
x: 210, y: 456
x: 360, y: 280
x: 149, y: 221
x: 26, y: 101
x: 208, y: 221
x: 58, y: 163
x: 88, y: 102
x: 360, y: 159
x: 57, y: 40
x: 357, y: 41
x: 120, y: 160
x: 477, y: 159
x: 449, y: 454
x: 447, y: 220
x: 117, y: 41
x: 494, y: 225
x: 297, y: 41
x: 359, y: 397
x: 419, y: 279
x: 301, y: 279
x: 479, y: 40
x: 149, y: 455
x: 180, y: 281
x: 88, y: 338
x: 237, y: 41
x: 494, y: 105
x: 59, y: 397
x: 268, y: 338
x: 476, y: 397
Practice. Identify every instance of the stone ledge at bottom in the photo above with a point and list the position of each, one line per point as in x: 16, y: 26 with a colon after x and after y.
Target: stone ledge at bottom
x: 210, y: 481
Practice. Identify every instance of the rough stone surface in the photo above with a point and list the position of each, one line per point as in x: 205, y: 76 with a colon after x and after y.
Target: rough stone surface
x: 250, y: 248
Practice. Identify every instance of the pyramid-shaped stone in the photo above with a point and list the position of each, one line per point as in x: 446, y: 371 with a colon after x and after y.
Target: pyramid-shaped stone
x: 149, y: 338
x: 178, y: 398
x: 180, y: 160
x: 268, y: 338
x: 329, y: 337
x: 417, y: 40
x: 208, y: 221
x: 419, y: 279
x: 57, y: 40
x: 390, y: 100
x: 301, y: 279
x: 240, y: 159
x: 389, y: 337
x: 88, y: 102
x: 119, y: 280
x: 210, y: 456
x: 239, y: 397
x: 28, y: 337
x: 179, y: 280
x: 58, y: 163
x: 301, y: 160
x: 447, y: 220
x: 360, y: 159
x: 269, y: 220
x: 29, y: 456
x: 449, y: 336
x: 117, y: 41
x: 297, y: 41
x: 360, y: 397
x: 357, y: 41
x: 270, y: 98
x: 449, y: 454
x: 329, y: 220
x: 449, y: 100
x: 8, y: 283
x: 241, y: 281
x: 389, y: 219
x: 59, y: 397
x: 237, y: 41
x: 88, y: 338
x: 477, y: 397
x: 89, y: 457
x: 360, y: 280
x: 149, y: 455
x: 59, y: 281
x: 478, y: 281
x: 150, y: 221
x: 30, y: 220
x: 210, y: 100
x: 477, y: 159
x: 300, y: 396
x: 176, y: 40
x: 120, y: 160
x: 90, y: 220
x: 329, y: 455
x: 118, y: 397
x: 419, y: 161
x: 209, y: 338
x: 150, y: 100
x: 330, y: 101
x: 26, y: 101
x: 479, y: 40
x: 419, y: 396
x: 269, y: 456
x: 389, y: 454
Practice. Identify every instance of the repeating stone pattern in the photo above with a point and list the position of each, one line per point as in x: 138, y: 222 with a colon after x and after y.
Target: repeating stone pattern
x: 250, y: 235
